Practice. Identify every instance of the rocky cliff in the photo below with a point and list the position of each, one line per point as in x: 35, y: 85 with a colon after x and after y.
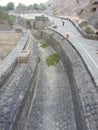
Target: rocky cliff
x: 67, y: 7
x: 84, y: 9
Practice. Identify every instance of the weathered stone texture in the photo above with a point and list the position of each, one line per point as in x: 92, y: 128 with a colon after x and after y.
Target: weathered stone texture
x: 85, y: 96
x: 40, y: 22
x: 24, y: 56
x: 10, y: 61
x: 16, y: 95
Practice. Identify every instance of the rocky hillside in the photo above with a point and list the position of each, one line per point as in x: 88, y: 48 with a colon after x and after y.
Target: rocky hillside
x: 84, y: 9
x: 67, y: 7
x: 91, y: 13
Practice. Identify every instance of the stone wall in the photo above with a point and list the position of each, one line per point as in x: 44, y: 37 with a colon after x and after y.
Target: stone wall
x: 28, y: 84
x: 40, y: 22
x: 16, y: 94
x: 84, y: 94
x: 10, y: 61
x: 20, y: 94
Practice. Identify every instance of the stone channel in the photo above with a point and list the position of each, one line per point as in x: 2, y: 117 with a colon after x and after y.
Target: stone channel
x: 52, y: 107
x: 59, y: 97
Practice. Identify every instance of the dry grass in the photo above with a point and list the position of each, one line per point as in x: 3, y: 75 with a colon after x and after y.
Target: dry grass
x: 9, y: 37
x: 8, y: 41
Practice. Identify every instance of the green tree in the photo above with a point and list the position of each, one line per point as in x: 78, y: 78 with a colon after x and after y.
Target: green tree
x: 4, y: 16
x: 30, y: 7
x: 5, y: 8
x: 36, y: 6
x: 42, y: 6
x: 21, y: 7
x: 2, y: 13
x: 10, y: 6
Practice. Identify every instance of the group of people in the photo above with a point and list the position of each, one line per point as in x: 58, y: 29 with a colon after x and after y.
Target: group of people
x: 63, y: 22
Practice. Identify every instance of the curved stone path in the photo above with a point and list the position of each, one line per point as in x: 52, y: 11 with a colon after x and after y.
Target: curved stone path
x: 52, y: 107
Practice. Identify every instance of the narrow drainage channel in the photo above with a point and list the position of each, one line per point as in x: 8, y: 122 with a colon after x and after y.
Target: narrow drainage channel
x: 52, y: 107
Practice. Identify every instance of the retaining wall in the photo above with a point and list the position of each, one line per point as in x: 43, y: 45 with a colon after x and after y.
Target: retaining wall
x: 16, y: 95
x: 8, y: 65
x: 84, y: 94
x: 15, y: 101
x: 28, y: 84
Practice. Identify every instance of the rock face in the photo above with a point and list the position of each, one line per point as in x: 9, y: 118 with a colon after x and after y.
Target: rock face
x: 40, y: 22
x: 90, y: 13
x: 67, y: 7
x: 84, y: 9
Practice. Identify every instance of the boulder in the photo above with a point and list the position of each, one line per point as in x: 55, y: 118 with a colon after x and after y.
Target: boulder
x: 83, y: 23
x: 88, y: 29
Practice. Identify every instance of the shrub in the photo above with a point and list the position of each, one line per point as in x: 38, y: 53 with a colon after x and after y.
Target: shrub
x: 28, y: 22
x: 10, y: 19
x: 4, y: 16
x: 52, y: 59
x: 44, y: 45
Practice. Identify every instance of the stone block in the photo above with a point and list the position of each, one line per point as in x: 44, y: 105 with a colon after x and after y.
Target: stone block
x: 24, y: 56
x: 19, y: 30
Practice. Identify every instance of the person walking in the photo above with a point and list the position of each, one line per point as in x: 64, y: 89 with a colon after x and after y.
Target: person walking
x: 63, y: 23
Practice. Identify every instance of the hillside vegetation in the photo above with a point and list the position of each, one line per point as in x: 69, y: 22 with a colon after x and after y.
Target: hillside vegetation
x: 5, y: 17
